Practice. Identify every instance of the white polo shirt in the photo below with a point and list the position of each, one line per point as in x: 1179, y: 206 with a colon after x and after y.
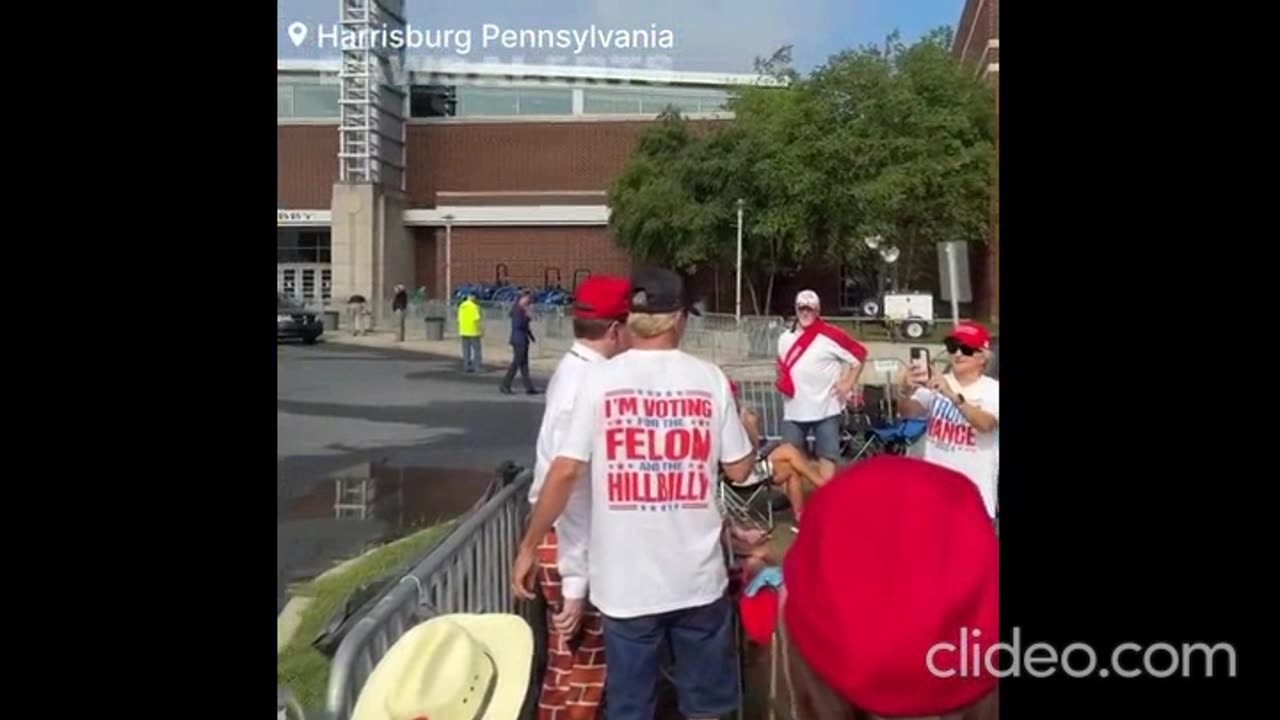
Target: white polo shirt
x: 574, y: 525
x: 655, y: 426
x: 815, y: 375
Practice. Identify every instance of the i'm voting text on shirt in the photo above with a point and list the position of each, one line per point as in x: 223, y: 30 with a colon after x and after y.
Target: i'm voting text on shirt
x: 654, y: 425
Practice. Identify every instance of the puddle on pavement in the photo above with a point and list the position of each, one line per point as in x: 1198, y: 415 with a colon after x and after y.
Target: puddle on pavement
x: 399, y: 499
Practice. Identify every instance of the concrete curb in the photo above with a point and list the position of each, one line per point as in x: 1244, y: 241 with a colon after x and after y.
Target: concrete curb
x: 289, y: 619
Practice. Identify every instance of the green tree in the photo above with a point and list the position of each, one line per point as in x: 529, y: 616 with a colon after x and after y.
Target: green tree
x: 657, y: 214
x: 895, y: 141
x: 676, y: 201
x: 908, y: 141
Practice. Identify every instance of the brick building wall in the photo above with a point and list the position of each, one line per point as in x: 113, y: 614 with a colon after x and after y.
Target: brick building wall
x: 471, y: 157
x: 306, y: 166
x: 509, y: 157
x: 486, y: 163
x: 527, y: 252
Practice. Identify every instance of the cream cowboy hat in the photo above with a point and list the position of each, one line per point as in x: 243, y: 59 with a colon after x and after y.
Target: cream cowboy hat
x: 452, y: 667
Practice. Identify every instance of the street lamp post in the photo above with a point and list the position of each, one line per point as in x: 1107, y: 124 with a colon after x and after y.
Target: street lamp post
x: 953, y: 283
x: 448, y: 259
x: 737, y: 303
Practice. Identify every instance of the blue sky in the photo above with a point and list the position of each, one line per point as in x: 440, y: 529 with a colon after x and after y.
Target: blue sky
x: 710, y: 35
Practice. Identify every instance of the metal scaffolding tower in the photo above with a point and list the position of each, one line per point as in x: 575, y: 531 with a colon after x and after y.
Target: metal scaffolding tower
x: 373, y: 104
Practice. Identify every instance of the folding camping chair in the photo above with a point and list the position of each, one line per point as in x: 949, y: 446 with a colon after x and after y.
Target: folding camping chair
x: 750, y: 503
x: 895, y: 439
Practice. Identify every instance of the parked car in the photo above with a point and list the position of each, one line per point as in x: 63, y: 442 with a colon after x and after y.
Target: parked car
x: 295, y: 322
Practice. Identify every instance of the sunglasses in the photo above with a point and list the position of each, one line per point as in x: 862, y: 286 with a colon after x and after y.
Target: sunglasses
x: 804, y: 308
x: 953, y: 346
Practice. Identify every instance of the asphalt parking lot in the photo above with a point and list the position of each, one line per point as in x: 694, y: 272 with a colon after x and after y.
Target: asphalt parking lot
x: 409, y: 419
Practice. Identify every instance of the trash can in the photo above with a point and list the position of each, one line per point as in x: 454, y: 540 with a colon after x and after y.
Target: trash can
x: 435, y: 328
x: 331, y: 319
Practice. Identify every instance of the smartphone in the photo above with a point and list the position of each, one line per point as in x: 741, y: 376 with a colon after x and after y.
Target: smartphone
x: 920, y: 361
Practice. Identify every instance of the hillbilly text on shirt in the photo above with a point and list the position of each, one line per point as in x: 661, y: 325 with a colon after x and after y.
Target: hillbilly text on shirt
x: 658, y: 449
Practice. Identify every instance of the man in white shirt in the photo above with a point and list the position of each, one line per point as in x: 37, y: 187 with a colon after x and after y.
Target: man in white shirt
x: 818, y: 368
x: 963, y: 407
x: 656, y: 424
x: 574, y: 681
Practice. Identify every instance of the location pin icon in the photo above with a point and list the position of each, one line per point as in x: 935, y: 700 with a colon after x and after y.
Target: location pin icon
x: 297, y: 33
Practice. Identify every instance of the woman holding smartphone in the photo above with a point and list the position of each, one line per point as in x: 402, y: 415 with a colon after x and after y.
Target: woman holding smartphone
x: 963, y: 410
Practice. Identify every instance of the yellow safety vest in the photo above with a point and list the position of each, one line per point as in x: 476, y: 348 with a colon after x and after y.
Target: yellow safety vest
x: 469, y: 319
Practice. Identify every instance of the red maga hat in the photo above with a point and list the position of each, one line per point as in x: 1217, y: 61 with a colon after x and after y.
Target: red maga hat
x: 897, y: 556
x: 602, y: 297
x: 972, y: 335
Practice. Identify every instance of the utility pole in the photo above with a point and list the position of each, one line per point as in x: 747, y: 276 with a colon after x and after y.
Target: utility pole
x: 737, y: 303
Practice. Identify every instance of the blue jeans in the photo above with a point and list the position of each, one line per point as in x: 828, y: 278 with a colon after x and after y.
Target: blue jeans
x: 826, y: 436
x: 705, y: 672
x: 471, y: 354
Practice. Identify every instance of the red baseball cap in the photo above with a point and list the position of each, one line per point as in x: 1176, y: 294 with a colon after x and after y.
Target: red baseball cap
x: 897, y: 555
x: 602, y: 297
x: 972, y: 335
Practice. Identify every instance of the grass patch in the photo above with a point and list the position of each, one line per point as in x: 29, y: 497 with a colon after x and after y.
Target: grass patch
x: 300, y: 667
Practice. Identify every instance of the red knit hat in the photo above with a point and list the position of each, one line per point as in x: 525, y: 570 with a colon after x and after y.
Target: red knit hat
x: 897, y: 554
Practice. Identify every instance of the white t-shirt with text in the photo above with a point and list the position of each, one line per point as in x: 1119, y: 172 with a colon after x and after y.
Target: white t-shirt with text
x: 815, y: 375
x: 654, y: 425
x: 573, y: 526
x: 951, y: 441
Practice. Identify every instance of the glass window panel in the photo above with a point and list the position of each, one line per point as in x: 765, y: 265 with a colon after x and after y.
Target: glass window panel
x: 308, y: 283
x: 488, y: 101
x: 546, y: 101
x: 284, y: 101
x: 315, y: 101
x: 609, y: 102
x: 651, y: 100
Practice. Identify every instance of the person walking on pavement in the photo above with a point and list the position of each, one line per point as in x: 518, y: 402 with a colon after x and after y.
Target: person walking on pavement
x: 654, y: 425
x: 356, y: 306
x: 470, y: 329
x: 573, y: 685
x: 400, y: 304
x: 521, y: 337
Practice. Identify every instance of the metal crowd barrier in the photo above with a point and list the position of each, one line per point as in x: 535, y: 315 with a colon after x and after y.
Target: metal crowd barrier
x: 718, y: 338
x: 469, y: 572
x: 758, y: 392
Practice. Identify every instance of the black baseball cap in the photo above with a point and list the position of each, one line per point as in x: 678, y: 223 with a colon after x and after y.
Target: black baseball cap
x: 658, y: 290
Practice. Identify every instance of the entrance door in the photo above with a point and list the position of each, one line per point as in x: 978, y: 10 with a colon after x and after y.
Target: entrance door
x: 308, y: 283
